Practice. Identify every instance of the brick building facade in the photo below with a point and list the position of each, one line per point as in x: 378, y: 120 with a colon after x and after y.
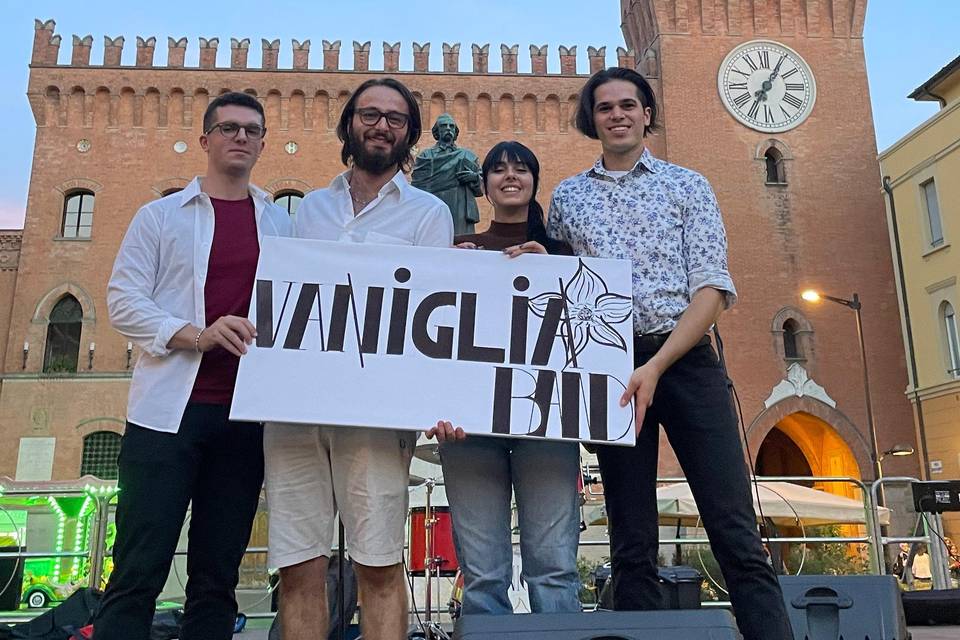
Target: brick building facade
x: 126, y: 134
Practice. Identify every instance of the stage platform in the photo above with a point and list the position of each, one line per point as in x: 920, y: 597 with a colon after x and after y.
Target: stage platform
x: 257, y: 630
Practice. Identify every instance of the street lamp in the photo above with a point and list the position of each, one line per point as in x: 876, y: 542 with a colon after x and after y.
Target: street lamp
x: 854, y: 303
x: 898, y: 451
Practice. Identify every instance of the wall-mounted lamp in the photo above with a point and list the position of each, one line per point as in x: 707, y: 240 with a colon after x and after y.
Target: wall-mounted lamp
x: 26, y: 352
x: 898, y: 450
x: 93, y: 347
x: 129, y: 353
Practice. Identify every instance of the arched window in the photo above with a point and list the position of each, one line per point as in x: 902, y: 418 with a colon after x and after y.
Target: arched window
x: 100, y: 451
x: 77, y: 215
x: 63, y: 336
x: 952, y: 338
x: 171, y: 191
x: 776, y: 174
x: 288, y: 200
x: 791, y: 349
x: 793, y: 337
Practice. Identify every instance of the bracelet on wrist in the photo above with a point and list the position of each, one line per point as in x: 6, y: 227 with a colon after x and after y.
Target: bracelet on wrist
x: 196, y: 341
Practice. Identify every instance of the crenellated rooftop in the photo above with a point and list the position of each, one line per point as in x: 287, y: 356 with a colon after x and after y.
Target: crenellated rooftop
x: 46, y: 50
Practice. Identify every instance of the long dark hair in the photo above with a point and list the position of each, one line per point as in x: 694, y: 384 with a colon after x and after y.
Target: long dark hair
x: 513, y: 151
x: 414, y: 127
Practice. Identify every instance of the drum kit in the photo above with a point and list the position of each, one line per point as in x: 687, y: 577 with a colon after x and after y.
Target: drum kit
x: 431, y: 553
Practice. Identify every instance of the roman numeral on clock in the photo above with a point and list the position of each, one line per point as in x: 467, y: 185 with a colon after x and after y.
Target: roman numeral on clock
x: 741, y: 100
x: 764, y: 59
x: 737, y: 85
x: 794, y: 86
x: 792, y: 100
x: 768, y: 115
x: 749, y: 61
x: 788, y: 73
x: 754, y: 109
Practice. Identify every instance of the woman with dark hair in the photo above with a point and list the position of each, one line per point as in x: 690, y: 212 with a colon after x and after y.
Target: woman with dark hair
x: 480, y: 473
x: 511, y: 177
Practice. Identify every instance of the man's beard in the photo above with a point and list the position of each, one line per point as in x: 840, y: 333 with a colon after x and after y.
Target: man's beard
x: 375, y: 162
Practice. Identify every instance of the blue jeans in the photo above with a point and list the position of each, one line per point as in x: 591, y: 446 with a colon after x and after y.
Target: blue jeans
x: 479, y: 474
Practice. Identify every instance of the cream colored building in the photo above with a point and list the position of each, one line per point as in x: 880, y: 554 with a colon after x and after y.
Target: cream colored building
x: 922, y: 180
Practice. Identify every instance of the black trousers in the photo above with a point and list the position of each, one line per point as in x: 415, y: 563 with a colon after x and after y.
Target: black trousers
x: 693, y: 404
x: 218, y: 466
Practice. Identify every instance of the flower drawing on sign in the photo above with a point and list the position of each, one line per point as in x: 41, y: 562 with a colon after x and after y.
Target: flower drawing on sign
x: 588, y: 312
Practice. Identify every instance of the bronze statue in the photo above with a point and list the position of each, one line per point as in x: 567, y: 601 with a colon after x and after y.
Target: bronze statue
x: 452, y: 174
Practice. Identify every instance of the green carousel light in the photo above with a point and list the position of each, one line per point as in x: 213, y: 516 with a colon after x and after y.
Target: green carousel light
x: 61, y: 525
x: 82, y: 524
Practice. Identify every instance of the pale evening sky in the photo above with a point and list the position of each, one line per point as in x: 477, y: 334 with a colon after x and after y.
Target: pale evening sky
x: 906, y: 42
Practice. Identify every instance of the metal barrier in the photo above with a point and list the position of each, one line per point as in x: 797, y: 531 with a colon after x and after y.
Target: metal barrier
x: 96, y: 552
x: 870, y: 517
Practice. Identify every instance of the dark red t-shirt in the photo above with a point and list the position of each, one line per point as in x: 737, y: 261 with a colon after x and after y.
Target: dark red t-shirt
x: 231, y: 271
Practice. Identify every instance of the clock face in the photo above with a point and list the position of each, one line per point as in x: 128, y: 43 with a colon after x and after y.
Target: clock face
x: 766, y: 86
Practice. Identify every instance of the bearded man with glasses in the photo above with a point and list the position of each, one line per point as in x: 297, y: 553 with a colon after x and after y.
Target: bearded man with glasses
x: 181, y: 289
x: 313, y: 471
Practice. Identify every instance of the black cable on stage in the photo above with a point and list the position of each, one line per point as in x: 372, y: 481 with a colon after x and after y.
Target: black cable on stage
x: 743, y: 429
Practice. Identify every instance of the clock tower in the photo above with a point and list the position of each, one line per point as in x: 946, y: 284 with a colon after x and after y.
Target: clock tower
x: 769, y: 100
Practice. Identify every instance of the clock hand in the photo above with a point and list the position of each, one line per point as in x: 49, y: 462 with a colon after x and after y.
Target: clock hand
x: 768, y: 83
x: 776, y: 70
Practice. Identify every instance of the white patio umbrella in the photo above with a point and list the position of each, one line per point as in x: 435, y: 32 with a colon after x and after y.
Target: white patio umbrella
x: 784, y: 502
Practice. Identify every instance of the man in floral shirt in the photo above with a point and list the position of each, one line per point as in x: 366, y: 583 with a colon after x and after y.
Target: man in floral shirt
x: 665, y: 220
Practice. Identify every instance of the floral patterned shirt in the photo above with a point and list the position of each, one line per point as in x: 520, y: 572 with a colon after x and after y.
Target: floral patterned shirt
x: 660, y: 216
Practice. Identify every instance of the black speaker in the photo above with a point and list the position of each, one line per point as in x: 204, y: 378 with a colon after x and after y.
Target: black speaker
x: 679, y: 587
x: 833, y: 607
x: 11, y: 575
x: 600, y: 625
x: 935, y: 607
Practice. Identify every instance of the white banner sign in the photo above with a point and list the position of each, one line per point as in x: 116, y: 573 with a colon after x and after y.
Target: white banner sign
x: 400, y: 337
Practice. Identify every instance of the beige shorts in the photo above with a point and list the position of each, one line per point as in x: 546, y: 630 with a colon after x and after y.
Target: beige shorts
x: 314, y: 471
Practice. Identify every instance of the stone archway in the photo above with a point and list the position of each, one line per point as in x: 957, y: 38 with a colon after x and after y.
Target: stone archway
x: 807, y: 421
x: 801, y: 444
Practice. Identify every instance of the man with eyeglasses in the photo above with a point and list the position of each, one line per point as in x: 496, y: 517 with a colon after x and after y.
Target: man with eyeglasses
x: 315, y: 471
x: 181, y: 289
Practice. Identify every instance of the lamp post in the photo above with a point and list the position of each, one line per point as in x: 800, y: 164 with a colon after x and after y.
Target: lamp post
x: 854, y: 303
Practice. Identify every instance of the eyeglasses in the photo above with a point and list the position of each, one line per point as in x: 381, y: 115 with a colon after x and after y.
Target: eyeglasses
x: 231, y: 129
x: 371, y: 117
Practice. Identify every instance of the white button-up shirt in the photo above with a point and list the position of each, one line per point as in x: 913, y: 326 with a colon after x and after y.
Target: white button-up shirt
x: 156, y: 289
x: 400, y: 214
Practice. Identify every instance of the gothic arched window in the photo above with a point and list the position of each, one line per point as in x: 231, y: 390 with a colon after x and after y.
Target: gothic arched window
x: 62, y: 349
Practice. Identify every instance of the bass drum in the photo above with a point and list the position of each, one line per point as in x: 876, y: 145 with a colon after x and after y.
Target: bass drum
x: 443, y: 550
